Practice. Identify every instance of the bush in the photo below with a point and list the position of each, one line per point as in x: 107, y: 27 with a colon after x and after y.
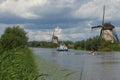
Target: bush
x: 105, y: 49
x: 97, y: 43
x: 115, y: 47
x: 13, y: 37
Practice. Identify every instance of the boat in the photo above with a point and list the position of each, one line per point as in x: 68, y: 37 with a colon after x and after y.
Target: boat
x: 92, y: 52
x: 62, y: 47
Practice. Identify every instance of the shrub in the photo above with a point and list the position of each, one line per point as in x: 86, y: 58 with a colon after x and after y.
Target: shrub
x: 13, y: 37
x: 106, y: 49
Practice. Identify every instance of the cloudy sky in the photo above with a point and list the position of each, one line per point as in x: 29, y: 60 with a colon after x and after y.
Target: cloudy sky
x: 74, y: 17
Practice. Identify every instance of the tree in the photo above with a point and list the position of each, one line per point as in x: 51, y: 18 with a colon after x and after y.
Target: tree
x: 80, y: 45
x: 97, y: 43
x: 13, y: 37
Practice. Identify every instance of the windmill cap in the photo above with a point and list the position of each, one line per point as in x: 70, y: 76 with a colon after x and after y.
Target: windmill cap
x: 55, y: 37
x: 108, y: 26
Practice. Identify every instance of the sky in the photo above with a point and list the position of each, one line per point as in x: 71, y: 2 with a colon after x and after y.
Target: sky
x: 39, y: 18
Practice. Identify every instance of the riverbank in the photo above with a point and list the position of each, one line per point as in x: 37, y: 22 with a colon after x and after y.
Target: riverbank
x: 17, y: 64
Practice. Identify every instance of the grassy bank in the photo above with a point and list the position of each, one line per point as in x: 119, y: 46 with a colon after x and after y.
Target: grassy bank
x: 17, y: 64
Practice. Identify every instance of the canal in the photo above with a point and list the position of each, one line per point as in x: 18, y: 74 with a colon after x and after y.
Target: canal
x: 81, y: 64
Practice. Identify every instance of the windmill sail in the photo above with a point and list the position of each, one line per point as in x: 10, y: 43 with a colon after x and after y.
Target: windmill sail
x: 103, y: 15
x: 115, y: 36
x: 99, y: 26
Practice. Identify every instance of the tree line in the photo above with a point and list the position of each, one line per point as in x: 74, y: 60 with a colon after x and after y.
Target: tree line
x: 97, y: 43
x: 45, y: 44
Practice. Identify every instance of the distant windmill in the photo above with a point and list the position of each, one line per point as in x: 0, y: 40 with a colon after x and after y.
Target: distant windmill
x: 56, y: 34
x: 107, y: 30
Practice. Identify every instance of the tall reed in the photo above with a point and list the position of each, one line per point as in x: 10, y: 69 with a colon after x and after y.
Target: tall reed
x: 17, y: 64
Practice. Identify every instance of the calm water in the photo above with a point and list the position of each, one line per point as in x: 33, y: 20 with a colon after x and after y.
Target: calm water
x: 101, y: 66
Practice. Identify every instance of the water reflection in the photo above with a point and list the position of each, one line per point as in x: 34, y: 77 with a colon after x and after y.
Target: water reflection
x: 109, y: 66
x: 60, y: 53
x: 101, y: 66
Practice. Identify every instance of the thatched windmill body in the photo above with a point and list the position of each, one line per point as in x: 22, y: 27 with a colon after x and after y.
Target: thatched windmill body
x: 55, y: 39
x: 107, y: 30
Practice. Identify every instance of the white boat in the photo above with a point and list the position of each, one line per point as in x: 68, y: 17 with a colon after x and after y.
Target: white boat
x: 62, y: 47
x: 92, y: 52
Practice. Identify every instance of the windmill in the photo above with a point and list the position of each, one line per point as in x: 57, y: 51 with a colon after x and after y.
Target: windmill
x: 107, y: 30
x: 54, y: 39
x: 56, y: 34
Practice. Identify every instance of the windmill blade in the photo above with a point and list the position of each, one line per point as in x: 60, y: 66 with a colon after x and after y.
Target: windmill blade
x: 115, y: 36
x: 101, y: 32
x: 99, y: 26
x: 103, y: 15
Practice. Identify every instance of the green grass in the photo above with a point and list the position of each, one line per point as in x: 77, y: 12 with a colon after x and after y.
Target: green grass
x: 17, y: 64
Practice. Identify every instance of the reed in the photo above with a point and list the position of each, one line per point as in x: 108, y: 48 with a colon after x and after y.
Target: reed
x: 17, y: 64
